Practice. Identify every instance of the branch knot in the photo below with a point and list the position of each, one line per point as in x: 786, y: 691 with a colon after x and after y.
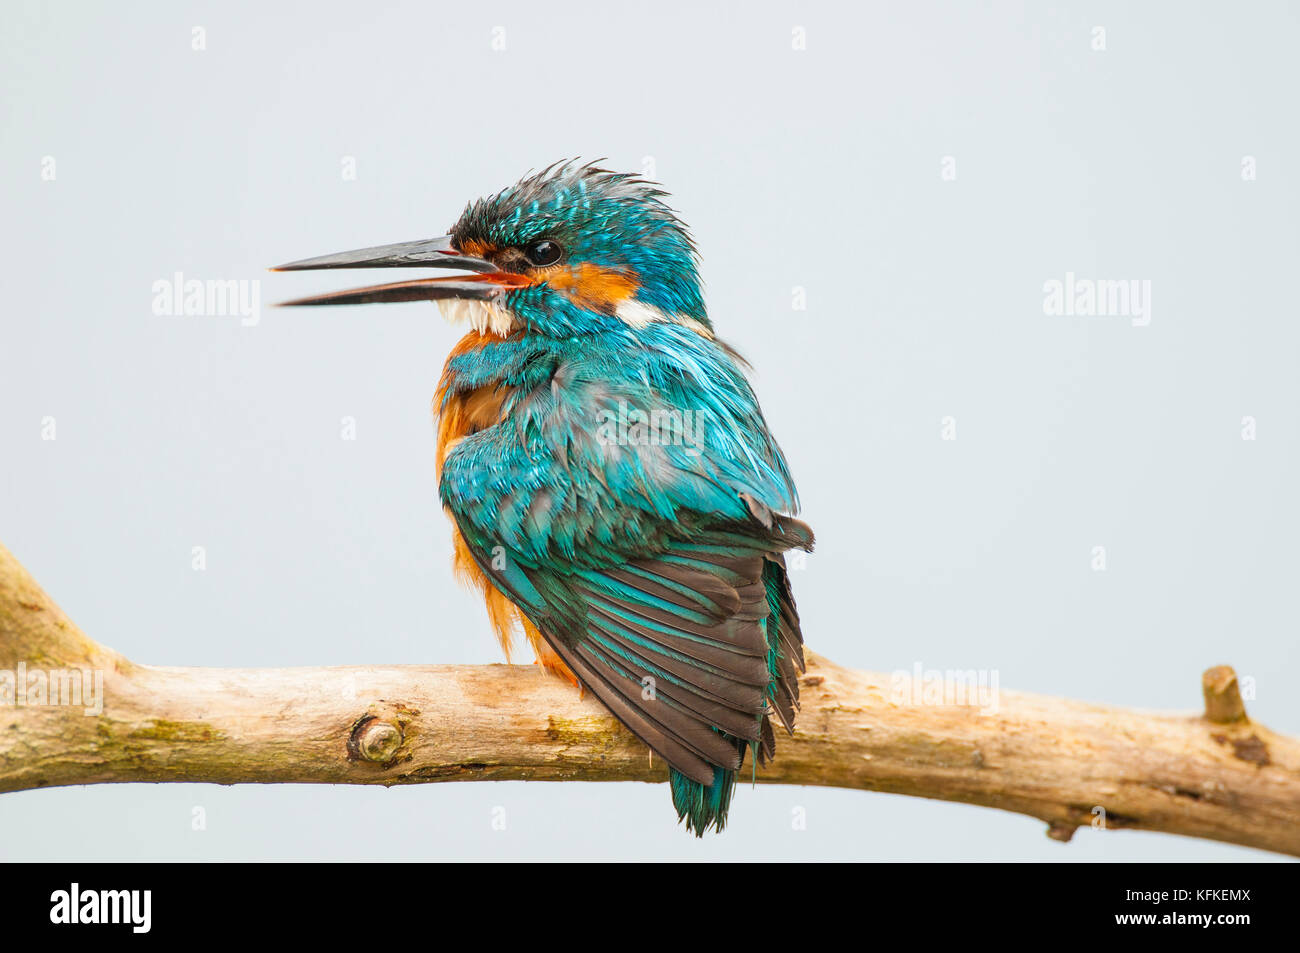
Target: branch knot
x: 374, y: 740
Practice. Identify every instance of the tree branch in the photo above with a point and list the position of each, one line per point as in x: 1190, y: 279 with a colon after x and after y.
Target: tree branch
x: 1069, y: 763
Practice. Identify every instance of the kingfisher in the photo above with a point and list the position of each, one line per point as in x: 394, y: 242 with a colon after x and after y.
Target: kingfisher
x: 613, y: 489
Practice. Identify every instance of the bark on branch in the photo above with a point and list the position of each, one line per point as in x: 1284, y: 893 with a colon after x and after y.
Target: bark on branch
x: 1215, y: 775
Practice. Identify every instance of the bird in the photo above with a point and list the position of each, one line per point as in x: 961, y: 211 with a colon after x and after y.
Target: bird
x: 614, y: 490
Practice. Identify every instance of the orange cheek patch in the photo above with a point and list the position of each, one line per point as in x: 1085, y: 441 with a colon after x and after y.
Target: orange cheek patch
x: 594, y: 287
x: 478, y: 249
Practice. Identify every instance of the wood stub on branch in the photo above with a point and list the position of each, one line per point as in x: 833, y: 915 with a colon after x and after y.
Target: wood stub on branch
x: 1068, y: 763
x: 1223, y: 703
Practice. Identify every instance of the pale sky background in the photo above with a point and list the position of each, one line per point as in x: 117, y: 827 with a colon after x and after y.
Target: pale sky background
x: 817, y: 168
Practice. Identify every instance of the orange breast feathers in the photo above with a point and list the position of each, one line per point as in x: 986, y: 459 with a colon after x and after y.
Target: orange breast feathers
x: 465, y: 413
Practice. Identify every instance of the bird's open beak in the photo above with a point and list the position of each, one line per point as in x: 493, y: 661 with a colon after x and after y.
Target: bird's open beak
x: 487, y: 285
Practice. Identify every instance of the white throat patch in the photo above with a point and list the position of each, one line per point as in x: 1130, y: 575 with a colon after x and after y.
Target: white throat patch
x: 485, y: 317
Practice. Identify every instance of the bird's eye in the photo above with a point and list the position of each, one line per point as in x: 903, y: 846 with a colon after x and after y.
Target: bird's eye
x: 543, y: 253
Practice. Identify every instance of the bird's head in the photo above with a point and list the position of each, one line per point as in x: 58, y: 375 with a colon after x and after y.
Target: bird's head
x: 571, y: 250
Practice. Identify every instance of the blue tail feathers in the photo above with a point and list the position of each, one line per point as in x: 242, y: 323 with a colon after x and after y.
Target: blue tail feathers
x: 703, y: 806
